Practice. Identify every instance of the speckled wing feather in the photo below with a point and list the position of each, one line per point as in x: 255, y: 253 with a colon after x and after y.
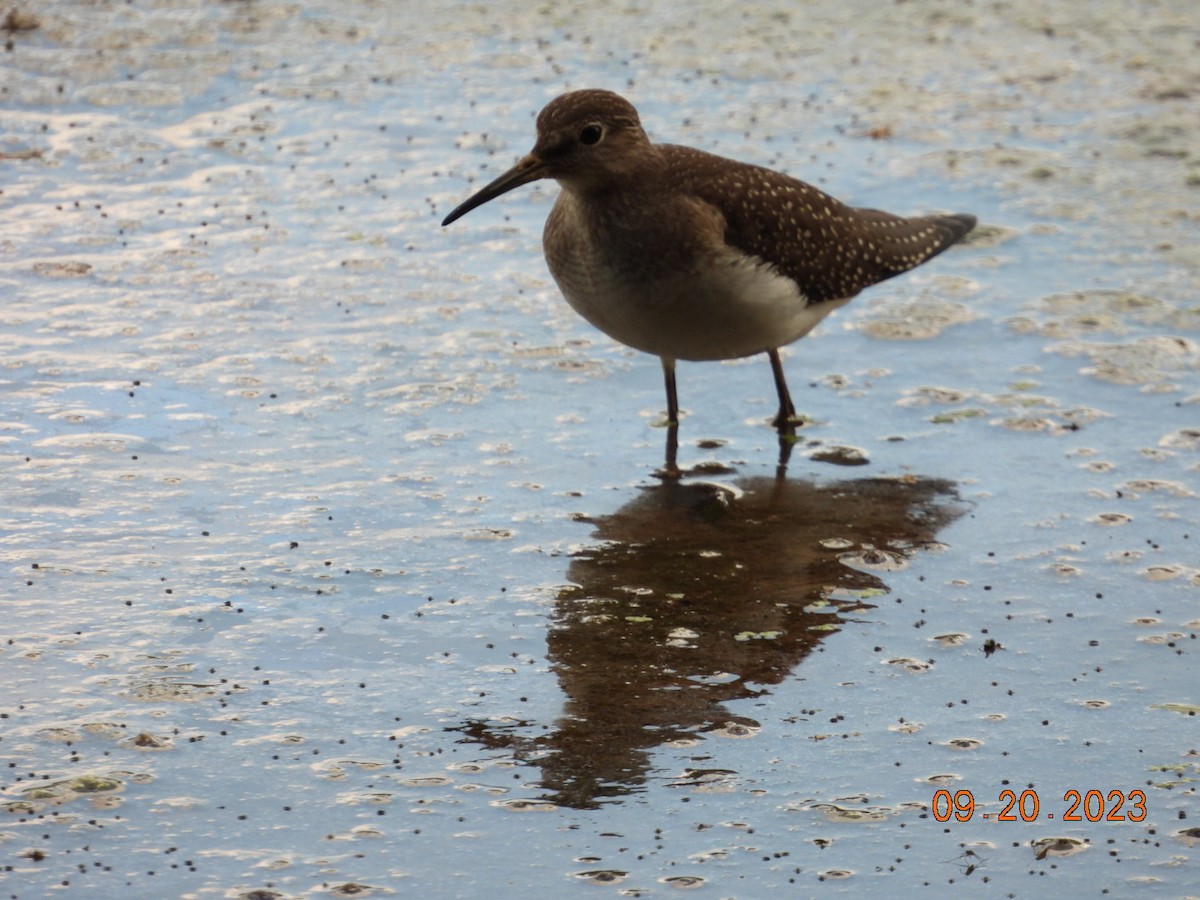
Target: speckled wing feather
x: 831, y: 250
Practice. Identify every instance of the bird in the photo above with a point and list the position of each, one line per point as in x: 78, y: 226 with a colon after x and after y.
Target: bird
x: 687, y: 255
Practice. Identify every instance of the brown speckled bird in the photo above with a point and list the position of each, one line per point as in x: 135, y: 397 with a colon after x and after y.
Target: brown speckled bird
x: 688, y: 255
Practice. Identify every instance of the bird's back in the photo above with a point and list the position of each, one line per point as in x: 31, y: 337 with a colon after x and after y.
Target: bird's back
x: 831, y: 250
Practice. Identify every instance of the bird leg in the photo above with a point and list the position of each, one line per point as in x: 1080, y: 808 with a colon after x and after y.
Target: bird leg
x: 670, y: 469
x: 668, y: 366
x: 785, y: 419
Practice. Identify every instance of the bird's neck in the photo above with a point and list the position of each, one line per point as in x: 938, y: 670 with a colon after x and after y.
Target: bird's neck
x: 627, y: 173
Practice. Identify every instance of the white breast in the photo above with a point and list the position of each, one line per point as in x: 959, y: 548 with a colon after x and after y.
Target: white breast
x: 723, y: 308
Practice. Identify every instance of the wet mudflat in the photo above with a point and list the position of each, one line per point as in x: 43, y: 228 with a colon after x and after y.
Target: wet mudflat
x: 334, y: 559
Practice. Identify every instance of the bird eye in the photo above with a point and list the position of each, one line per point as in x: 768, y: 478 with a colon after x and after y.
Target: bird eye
x: 591, y: 134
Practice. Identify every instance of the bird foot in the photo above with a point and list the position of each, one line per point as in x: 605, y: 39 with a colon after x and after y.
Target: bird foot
x: 789, y: 422
x: 670, y: 470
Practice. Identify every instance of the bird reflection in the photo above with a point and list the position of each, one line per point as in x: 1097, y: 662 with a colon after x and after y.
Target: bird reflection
x: 696, y: 594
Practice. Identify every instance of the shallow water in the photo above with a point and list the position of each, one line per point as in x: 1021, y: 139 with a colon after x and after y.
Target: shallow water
x: 336, y: 562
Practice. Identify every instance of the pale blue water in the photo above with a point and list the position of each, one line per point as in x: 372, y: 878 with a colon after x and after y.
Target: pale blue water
x: 335, y: 562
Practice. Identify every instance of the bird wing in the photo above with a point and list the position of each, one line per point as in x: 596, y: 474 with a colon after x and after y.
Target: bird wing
x: 831, y: 250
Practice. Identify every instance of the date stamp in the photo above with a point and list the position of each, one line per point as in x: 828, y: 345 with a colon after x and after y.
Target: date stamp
x: 1078, y: 806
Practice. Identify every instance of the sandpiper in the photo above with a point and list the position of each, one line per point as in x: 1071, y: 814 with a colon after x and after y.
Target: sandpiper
x: 688, y: 255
